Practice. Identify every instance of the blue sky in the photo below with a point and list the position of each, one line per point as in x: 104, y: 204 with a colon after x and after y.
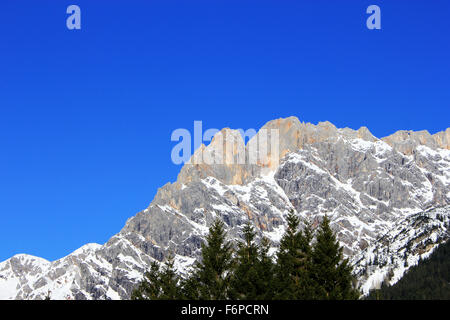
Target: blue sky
x: 86, y: 115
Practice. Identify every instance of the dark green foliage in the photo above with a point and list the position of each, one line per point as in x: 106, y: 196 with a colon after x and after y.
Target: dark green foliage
x: 212, y: 274
x: 430, y: 279
x: 301, y: 271
x: 293, y: 269
x: 331, y: 273
x: 266, y: 270
x: 253, y: 270
x: 159, y: 284
x: 149, y: 288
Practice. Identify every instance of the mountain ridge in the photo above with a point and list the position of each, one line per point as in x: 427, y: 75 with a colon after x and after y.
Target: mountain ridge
x: 367, y: 185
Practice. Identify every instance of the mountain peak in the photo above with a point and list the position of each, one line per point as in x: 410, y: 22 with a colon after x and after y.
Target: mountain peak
x: 368, y: 189
x: 406, y: 141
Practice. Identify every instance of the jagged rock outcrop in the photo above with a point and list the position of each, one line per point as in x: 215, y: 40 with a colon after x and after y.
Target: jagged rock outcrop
x: 367, y: 186
x: 406, y: 141
x: 442, y: 139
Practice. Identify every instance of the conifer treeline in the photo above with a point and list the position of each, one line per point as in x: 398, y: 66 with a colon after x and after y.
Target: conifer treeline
x: 304, y: 269
x: 429, y: 280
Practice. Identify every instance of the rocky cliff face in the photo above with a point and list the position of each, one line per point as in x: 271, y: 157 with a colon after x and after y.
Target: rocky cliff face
x: 376, y: 191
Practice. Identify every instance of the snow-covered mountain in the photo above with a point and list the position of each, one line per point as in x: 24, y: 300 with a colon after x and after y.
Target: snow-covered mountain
x: 388, y: 200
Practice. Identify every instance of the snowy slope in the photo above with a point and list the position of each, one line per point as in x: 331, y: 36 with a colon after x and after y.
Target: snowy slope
x: 386, y: 198
x: 409, y: 241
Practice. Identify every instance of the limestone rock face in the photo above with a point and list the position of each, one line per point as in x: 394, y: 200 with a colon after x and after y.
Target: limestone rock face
x: 370, y: 188
x: 407, y: 141
x: 443, y: 139
x: 225, y: 158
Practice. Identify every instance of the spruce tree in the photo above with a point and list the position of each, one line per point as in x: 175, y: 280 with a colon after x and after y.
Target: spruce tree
x: 293, y: 262
x: 253, y: 269
x: 169, y: 281
x: 265, y: 271
x: 307, y: 288
x: 159, y: 284
x: 330, y: 271
x: 210, y: 279
x: 148, y: 288
x: 189, y: 288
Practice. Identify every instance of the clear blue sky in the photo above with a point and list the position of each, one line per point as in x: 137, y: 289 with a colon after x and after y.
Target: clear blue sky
x: 86, y: 116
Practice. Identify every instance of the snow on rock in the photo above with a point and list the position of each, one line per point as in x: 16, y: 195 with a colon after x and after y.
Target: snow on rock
x: 409, y: 241
x: 388, y: 202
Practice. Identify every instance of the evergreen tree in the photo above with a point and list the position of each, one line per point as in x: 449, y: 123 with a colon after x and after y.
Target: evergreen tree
x: 189, y: 288
x: 159, y: 284
x: 169, y: 281
x: 302, y: 271
x: 293, y: 262
x: 211, y: 277
x: 308, y: 288
x: 266, y: 270
x: 252, y: 274
x: 148, y: 288
x: 330, y: 272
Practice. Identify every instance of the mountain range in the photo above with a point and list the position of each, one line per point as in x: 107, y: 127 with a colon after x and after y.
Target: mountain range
x: 388, y: 201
